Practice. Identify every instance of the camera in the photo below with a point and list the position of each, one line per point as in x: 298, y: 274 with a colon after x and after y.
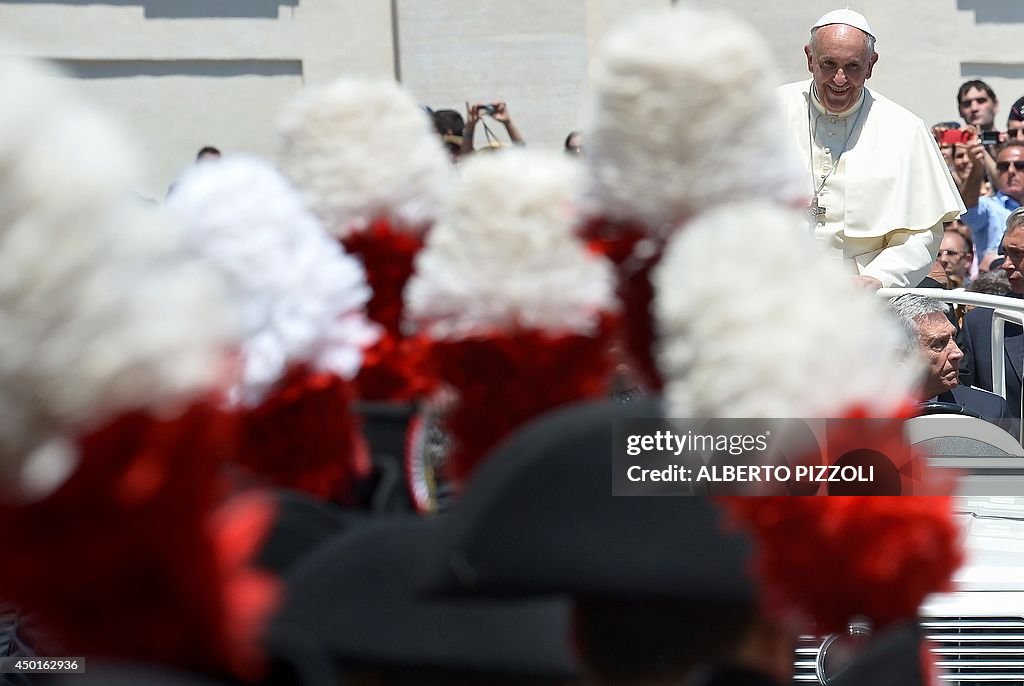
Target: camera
x: 955, y: 137
x: 990, y: 138
x: 489, y: 109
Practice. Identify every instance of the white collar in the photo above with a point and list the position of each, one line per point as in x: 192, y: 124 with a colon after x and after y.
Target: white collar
x: 845, y: 113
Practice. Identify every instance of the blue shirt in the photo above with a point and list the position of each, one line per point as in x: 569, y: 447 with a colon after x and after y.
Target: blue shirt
x: 988, y: 221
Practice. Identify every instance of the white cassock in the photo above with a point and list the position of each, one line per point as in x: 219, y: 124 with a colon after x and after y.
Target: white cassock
x: 882, y: 187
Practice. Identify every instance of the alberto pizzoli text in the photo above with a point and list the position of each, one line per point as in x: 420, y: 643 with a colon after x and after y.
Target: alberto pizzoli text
x: 752, y: 468
x: 754, y: 473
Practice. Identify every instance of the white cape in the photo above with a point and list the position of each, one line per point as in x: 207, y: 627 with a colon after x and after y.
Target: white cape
x: 895, y: 175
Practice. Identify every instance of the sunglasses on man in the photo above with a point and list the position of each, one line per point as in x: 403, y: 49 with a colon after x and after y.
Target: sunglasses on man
x: 1005, y: 166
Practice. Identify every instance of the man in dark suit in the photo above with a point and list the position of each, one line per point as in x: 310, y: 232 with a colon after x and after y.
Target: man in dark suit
x: 989, y: 405
x: 978, y: 325
x: 932, y: 335
x: 978, y: 322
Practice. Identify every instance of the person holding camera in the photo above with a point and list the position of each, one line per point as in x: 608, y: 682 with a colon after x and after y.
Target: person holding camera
x: 953, y: 146
x: 498, y: 111
x: 978, y: 105
x: 987, y: 214
x: 880, y: 190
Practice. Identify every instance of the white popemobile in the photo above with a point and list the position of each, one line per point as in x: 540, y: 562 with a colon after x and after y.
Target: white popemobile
x: 976, y: 631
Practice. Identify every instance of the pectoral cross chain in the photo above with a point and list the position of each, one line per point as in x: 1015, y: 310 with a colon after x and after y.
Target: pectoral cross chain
x: 814, y: 210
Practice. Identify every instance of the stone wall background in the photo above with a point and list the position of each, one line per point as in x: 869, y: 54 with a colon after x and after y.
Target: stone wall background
x: 187, y: 73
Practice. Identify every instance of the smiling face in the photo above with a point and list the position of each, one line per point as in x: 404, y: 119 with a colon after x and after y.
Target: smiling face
x: 961, y: 161
x: 840, y: 59
x: 957, y: 159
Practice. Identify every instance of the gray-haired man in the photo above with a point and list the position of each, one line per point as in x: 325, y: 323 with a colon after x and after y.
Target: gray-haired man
x: 931, y: 335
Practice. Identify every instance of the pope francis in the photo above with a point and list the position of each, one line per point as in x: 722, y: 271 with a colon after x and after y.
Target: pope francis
x: 879, y: 189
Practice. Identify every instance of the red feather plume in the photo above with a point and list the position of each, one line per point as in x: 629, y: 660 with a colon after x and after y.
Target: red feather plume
x: 837, y: 558
x: 390, y: 370
x: 395, y: 370
x: 121, y: 560
x: 304, y: 436
x: 502, y: 381
x: 635, y: 254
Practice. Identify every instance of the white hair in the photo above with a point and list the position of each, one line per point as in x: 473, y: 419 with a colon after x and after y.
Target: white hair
x: 908, y: 309
x: 792, y: 336
x: 301, y: 298
x: 684, y: 115
x: 360, y: 149
x: 504, y: 255
x: 102, y: 309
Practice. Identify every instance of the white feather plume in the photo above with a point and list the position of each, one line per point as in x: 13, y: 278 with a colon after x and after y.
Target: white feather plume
x: 755, y: 321
x: 683, y: 116
x: 361, y: 149
x: 504, y: 256
x: 301, y: 298
x: 102, y: 309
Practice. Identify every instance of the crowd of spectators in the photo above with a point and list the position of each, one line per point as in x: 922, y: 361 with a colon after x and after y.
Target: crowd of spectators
x: 458, y: 134
x: 988, y: 165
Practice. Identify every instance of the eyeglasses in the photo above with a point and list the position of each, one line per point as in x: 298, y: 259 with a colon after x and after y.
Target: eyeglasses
x: 951, y: 253
x: 1005, y: 166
